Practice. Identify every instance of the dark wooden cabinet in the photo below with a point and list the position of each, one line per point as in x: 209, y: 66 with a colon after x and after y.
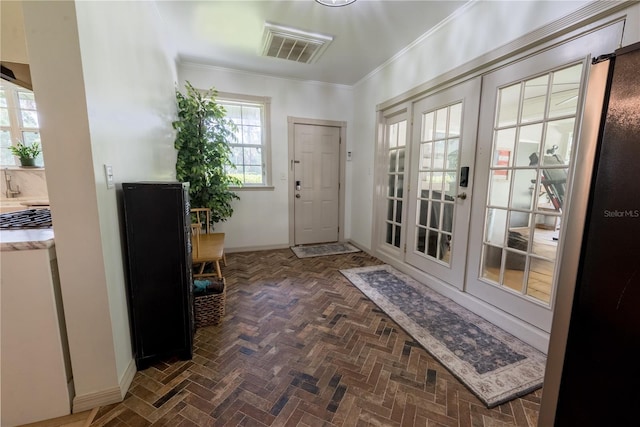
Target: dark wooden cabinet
x: 158, y: 245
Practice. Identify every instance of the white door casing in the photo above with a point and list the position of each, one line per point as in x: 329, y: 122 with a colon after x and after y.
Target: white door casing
x: 317, y: 183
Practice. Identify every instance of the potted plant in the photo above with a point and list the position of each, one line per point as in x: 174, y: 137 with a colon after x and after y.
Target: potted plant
x: 26, y: 153
x: 204, y: 155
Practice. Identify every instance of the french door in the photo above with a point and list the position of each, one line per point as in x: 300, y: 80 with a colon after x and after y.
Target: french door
x: 443, y: 146
x: 529, y: 120
x: 478, y: 202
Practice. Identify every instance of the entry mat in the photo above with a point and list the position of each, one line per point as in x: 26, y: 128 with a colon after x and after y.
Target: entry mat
x: 324, y: 249
x: 494, y: 365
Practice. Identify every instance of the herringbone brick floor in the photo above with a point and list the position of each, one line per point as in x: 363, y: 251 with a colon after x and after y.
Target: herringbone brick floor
x: 301, y: 346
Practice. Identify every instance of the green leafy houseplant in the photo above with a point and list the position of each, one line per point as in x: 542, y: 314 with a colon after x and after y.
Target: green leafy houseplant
x: 204, y: 155
x: 26, y: 153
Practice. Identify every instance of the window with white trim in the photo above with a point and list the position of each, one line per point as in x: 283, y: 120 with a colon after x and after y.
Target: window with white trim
x: 18, y: 121
x: 252, y: 147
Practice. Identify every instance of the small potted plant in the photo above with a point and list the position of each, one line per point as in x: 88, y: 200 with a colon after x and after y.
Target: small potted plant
x: 26, y: 153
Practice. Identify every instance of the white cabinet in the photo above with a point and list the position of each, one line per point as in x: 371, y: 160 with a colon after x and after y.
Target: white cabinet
x: 36, y: 372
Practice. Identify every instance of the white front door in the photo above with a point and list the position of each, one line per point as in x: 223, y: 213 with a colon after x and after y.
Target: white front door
x: 442, y: 160
x: 316, y: 180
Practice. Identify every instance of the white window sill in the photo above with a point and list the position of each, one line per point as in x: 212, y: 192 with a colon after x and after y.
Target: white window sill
x: 18, y: 168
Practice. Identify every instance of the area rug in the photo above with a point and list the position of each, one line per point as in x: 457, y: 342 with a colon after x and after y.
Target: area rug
x: 493, y: 364
x: 324, y: 249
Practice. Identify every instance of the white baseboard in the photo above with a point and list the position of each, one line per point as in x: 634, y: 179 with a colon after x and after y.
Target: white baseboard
x: 254, y: 248
x: 108, y: 396
x: 127, y: 377
x: 99, y: 398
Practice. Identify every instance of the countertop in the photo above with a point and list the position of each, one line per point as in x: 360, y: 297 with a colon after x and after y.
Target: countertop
x: 20, y: 203
x: 26, y: 239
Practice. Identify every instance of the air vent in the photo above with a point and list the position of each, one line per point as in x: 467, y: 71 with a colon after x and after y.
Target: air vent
x: 292, y: 44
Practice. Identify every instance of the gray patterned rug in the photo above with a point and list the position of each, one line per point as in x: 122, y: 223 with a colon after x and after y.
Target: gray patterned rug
x: 324, y: 249
x: 493, y: 364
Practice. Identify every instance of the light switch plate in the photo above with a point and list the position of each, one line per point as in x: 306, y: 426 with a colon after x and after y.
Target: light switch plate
x: 108, y: 172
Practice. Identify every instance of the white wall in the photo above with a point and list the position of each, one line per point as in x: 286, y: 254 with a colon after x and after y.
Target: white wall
x: 104, y: 82
x: 480, y: 28
x: 261, y: 217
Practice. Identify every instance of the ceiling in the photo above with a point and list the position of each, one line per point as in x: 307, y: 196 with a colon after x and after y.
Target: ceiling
x: 365, y: 34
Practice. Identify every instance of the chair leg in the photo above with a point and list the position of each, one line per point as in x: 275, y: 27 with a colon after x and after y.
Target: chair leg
x: 224, y: 259
x: 218, y: 270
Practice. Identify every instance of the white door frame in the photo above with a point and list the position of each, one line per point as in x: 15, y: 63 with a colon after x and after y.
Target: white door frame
x: 292, y: 121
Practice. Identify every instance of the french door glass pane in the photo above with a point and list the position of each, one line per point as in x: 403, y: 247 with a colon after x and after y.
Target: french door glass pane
x: 402, y: 134
x: 559, y: 134
x: 389, y: 238
x: 427, y: 126
x: 564, y: 91
x: 401, y: 160
x: 437, y: 180
x: 535, y: 96
x: 393, y: 135
x: 495, y: 226
x: 531, y: 153
x: 503, y: 144
x: 491, y: 261
x: 514, y: 268
x: 392, y: 160
x: 395, y: 140
x: 540, y: 279
x: 507, y: 97
x: 499, y: 188
x: 529, y: 142
x: 400, y: 186
x: 455, y: 120
x: 391, y: 187
x: 523, y: 189
x: 543, y: 243
x: 452, y: 154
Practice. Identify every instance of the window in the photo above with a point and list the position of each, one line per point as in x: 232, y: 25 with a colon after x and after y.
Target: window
x: 251, y: 150
x: 18, y: 121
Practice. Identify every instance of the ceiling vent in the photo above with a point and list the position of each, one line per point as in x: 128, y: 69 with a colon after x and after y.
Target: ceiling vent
x: 292, y: 44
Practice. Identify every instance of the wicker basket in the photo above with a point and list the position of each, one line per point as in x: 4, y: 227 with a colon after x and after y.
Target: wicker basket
x: 209, y: 308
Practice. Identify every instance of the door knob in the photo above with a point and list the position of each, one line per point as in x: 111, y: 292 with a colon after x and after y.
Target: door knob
x: 298, y: 196
x: 462, y: 196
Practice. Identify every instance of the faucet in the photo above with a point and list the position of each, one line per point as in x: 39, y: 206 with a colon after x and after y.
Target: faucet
x: 10, y: 191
